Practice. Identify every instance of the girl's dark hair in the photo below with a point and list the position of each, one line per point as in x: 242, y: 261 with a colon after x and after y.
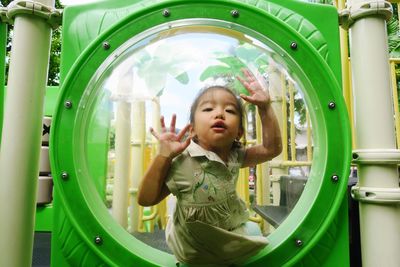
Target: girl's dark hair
x: 239, y: 106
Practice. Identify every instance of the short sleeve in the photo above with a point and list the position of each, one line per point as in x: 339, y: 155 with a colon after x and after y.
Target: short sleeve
x: 178, y: 177
x: 241, y: 152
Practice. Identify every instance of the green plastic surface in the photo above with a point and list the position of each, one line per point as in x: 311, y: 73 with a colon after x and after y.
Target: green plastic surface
x: 44, y: 218
x: 3, y: 44
x: 319, y: 219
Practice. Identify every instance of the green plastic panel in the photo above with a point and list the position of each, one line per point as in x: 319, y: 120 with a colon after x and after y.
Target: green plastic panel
x: 44, y: 218
x: 319, y: 219
x: 3, y: 44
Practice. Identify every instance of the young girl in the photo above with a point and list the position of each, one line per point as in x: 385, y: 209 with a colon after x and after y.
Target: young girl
x: 210, y: 223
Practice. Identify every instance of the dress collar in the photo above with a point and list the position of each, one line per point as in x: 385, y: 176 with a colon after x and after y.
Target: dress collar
x: 195, y: 150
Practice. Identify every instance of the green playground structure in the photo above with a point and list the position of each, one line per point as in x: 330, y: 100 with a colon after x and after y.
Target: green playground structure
x: 126, y: 62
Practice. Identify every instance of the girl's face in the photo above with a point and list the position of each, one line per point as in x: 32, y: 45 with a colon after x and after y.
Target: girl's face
x: 217, y: 120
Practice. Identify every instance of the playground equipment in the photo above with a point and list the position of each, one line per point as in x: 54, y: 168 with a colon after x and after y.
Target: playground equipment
x: 21, y: 136
x: 375, y: 148
x: 293, y: 38
x: 103, y: 40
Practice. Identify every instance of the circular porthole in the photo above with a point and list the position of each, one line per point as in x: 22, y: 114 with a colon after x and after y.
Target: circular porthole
x: 154, y: 61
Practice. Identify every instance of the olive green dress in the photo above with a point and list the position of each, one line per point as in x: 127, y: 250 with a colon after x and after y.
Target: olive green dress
x: 209, y: 223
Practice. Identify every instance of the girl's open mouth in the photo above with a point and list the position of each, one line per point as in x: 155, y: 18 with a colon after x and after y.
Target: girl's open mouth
x: 219, y: 125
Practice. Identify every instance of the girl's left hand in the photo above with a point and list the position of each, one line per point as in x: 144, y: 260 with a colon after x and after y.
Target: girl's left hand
x: 258, y: 96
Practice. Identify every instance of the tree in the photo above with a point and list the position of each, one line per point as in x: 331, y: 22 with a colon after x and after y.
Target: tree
x: 55, y: 52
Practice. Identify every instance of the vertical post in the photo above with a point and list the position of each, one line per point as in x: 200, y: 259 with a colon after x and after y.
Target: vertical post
x: 277, y: 85
x: 21, y: 137
x: 122, y: 150
x: 162, y: 206
x: 346, y: 80
x: 138, y: 142
x: 375, y: 135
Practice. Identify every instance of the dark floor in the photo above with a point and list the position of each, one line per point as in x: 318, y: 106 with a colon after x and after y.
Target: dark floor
x: 41, y: 249
x: 42, y: 245
x: 155, y: 239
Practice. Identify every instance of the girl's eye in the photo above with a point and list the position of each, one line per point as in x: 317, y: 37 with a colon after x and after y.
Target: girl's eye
x: 232, y: 111
x: 207, y: 109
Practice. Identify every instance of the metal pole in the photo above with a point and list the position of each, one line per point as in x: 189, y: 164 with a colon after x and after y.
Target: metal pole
x: 21, y: 137
x: 376, y: 154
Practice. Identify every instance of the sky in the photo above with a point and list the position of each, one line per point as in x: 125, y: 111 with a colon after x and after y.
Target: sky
x: 75, y: 2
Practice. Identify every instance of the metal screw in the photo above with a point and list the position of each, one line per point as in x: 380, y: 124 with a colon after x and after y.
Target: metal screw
x: 64, y: 175
x: 98, y: 240
x: 293, y: 45
x: 299, y: 242
x: 106, y: 45
x: 335, y: 178
x: 355, y: 156
x: 68, y: 104
x: 166, y: 13
x: 332, y: 105
x: 235, y: 13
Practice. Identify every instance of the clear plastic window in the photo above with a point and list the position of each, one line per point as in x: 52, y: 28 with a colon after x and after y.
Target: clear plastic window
x: 159, y: 73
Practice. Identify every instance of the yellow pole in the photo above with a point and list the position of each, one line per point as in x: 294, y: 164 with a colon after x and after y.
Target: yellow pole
x: 277, y: 87
x: 395, y: 100
x: 309, y: 138
x: 138, y: 142
x: 292, y: 126
x: 162, y: 206
x: 346, y: 78
x: 285, y: 155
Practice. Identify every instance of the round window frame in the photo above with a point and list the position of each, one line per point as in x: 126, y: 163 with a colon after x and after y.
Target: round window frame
x: 307, y: 223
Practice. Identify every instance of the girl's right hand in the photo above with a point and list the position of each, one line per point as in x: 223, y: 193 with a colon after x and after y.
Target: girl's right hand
x: 171, y: 143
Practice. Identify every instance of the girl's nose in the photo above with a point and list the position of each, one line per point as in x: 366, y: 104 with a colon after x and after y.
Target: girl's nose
x: 220, y: 114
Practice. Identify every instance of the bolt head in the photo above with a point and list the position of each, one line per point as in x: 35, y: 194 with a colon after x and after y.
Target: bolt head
x: 166, y: 13
x: 106, y: 45
x: 68, y: 104
x: 293, y: 45
x: 98, y: 240
x: 332, y: 105
x: 299, y: 242
x: 64, y: 175
x: 235, y: 13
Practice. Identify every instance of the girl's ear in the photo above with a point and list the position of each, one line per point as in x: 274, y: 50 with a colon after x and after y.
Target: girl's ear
x: 191, y: 130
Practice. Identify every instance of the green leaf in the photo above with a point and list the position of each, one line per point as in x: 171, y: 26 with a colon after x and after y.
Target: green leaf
x: 183, y: 78
x: 234, y: 63
x: 213, y: 71
x: 247, y: 52
x: 239, y: 88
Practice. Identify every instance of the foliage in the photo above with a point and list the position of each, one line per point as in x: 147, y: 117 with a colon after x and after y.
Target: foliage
x: 394, y: 43
x: 393, y: 35
x: 154, y: 67
x: 326, y: 2
x: 55, y: 52
x: 240, y: 57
